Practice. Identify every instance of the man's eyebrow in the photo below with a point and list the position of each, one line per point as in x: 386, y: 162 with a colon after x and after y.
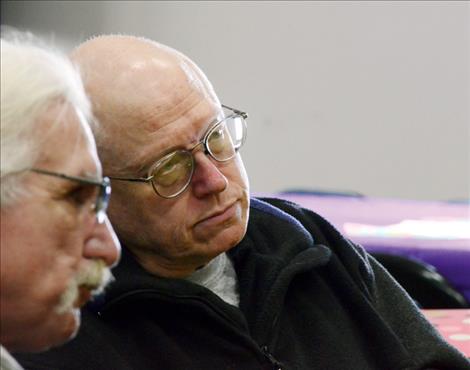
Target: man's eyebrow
x: 215, y: 120
x: 137, y: 168
x: 146, y: 165
x: 217, y: 117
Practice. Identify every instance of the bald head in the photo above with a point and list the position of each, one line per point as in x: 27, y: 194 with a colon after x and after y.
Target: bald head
x: 154, y: 107
x: 135, y: 84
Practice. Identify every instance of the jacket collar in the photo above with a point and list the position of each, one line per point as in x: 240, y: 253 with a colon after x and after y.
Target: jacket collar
x: 276, y: 248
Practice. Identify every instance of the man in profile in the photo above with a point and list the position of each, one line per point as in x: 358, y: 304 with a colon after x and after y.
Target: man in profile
x: 211, y: 279
x: 56, y: 242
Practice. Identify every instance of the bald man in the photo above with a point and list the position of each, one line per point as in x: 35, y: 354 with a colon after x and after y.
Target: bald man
x: 208, y: 278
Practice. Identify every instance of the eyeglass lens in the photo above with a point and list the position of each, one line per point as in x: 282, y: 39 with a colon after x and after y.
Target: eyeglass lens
x: 102, y: 200
x: 173, y: 173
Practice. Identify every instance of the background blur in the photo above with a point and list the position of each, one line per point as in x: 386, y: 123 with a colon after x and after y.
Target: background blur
x: 370, y: 97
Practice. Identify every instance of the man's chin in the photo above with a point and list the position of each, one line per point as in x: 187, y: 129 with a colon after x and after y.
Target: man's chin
x: 228, y: 228
x: 65, y: 328
x: 77, y: 322
x: 214, y: 243
x: 71, y: 323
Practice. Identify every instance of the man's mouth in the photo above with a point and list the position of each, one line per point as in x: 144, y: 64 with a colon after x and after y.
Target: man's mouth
x: 84, y: 295
x: 219, y: 216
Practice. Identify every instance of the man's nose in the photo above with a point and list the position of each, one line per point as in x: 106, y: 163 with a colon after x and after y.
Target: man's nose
x: 103, y: 244
x: 207, y: 178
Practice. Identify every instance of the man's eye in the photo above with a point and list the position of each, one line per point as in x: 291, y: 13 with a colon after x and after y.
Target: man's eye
x: 218, y: 140
x: 174, y: 170
x: 217, y: 134
x: 80, y: 195
x: 168, y: 167
x: 171, y: 173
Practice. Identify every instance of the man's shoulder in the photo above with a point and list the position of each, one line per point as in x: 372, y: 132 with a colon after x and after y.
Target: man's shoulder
x: 283, y: 209
x: 273, y: 206
x: 283, y: 213
x: 284, y: 222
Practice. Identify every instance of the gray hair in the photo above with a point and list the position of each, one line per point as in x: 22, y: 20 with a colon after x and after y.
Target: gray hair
x: 33, y: 76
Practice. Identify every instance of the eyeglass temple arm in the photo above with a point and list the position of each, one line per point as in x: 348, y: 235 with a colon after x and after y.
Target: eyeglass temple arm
x: 239, y: 112
x: 67, y: 177
x: 141, y: 179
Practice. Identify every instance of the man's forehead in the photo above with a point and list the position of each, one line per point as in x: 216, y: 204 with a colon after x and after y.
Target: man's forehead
x: 190, y: 103
x: 68, y: 145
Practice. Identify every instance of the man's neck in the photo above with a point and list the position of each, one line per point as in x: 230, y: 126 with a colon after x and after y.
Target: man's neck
x: 163, y: 267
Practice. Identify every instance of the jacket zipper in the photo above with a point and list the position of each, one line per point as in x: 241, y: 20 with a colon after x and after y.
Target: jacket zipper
x: 276, y: 364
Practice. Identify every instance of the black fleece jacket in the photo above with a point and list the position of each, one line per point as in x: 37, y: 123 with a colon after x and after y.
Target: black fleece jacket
x: 309, y: 299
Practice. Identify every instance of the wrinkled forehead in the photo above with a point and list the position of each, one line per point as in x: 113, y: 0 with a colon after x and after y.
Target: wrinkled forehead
x: 67, y: 142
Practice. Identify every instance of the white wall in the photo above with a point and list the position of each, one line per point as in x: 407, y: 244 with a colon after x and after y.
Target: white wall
x: 370, y: 97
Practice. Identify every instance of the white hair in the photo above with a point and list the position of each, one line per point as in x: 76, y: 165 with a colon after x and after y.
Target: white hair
x: 33, y: 76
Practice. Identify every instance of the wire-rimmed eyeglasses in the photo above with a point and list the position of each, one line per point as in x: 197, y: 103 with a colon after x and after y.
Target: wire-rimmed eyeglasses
x: 172, y: 174
x: 102, y: 198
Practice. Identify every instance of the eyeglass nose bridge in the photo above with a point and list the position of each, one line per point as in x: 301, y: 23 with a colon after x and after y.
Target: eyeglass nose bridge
x: 196, y: 147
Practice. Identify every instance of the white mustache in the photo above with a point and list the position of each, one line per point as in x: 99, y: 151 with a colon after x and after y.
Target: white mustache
x: 95, y: 277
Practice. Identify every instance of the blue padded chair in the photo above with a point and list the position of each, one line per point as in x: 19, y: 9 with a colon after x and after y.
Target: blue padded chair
x: 323, y: 193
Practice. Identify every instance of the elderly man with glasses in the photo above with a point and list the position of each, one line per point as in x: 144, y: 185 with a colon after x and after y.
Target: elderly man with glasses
x: 211, y: 279
x: 56, y: 242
